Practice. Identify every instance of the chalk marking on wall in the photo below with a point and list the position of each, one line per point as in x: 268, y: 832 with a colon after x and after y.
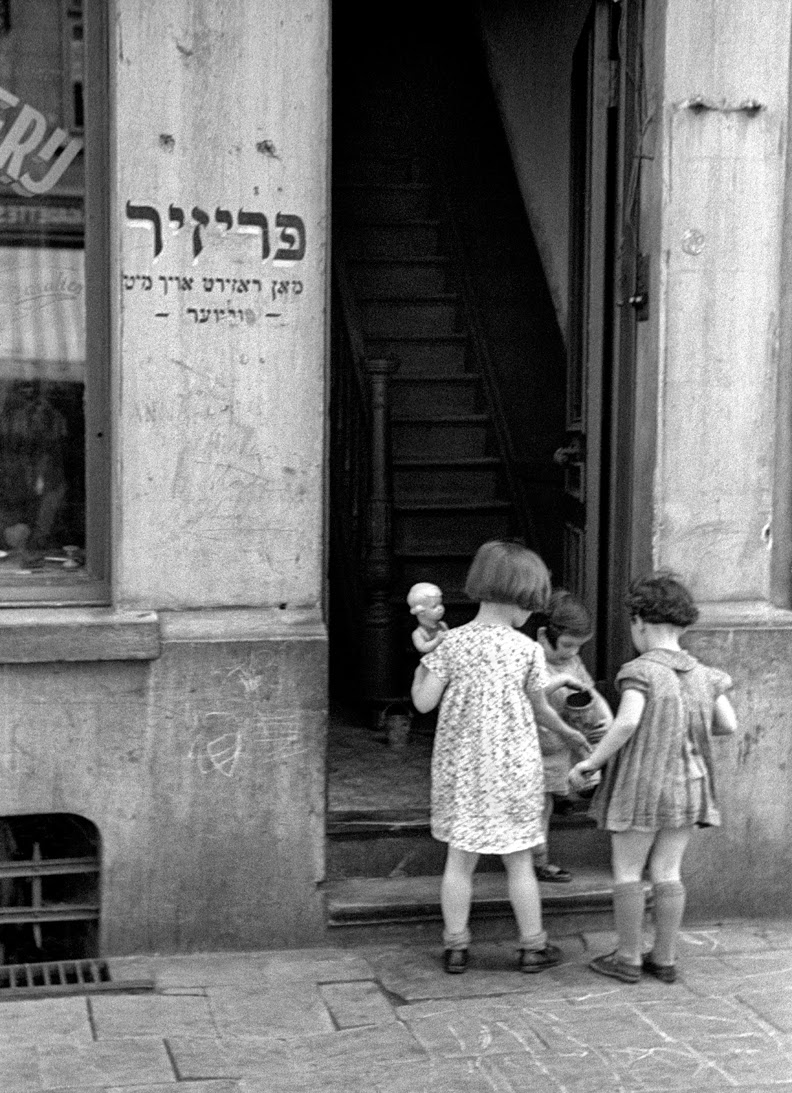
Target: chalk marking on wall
x: 220, y: 754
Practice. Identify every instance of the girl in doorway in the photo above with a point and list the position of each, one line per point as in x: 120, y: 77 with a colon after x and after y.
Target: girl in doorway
x: 562, y: 630
x: 487, y: 784
x: 659, y: 784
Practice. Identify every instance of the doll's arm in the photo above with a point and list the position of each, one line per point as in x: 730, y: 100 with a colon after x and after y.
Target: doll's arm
x: 625, y: 723
x: 724, y: 721
x: 427, y: 689
x: 425, y: 640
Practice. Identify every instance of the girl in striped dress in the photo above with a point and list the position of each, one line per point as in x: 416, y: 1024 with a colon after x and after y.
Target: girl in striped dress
x: 658, y: 784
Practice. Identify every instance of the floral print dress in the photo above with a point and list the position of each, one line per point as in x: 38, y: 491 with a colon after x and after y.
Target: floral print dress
x: 487, y: 779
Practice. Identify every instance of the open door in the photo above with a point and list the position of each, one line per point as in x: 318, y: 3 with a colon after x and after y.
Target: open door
x: 590, y: 306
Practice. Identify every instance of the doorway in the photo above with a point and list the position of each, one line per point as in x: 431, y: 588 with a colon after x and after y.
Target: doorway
x: 498, y: 413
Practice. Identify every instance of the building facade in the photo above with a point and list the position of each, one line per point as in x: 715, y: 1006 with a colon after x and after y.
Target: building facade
x: 165, y: 238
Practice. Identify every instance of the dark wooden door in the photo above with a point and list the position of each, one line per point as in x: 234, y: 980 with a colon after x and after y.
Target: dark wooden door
x: 590, y: 305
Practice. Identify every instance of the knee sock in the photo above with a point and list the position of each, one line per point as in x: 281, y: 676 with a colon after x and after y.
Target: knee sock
x: 669, y: 906
x: 628, y: 912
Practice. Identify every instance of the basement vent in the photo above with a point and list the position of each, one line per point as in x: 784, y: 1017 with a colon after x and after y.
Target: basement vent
x: 59, y: 977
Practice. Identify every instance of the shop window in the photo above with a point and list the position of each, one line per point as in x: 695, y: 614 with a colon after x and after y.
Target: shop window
x: 54, y: 437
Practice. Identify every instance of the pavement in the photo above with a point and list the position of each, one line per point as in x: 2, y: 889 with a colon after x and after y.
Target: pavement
x: 385, y: 1018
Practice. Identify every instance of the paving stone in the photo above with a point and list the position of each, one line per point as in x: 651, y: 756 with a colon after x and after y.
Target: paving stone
x: 672, y: 1066
x: 295, y: 1009
x: 109, y: 1062
x: 416, y: 973
x: 354, y: 1004
x: 19, y: 1070
x: 701, y: 1018
x: 774, y: 1004
x: 204, y: 1058
x: 582, y: 1071
x: 123, y: 1016
x: 44, y: 1020
x: 752, y: 1060
x: 196, y: 1087
x: 388, y: 1045
x: 591, y: 1026
x: 246, y: 970
x: 476, y: 1031
x: 362, y: 1076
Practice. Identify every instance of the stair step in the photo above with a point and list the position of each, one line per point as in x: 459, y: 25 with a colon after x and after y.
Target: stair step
x: 416, y: 237
x: 449, y: 481
x: 384, y: 200
x: 441, y: 438
x: 417, y: 355
x: 466, y: 527
x: 400, y: 277
x: 385, y: 317
x: 446, y: 396
x: 367, y: 843
x: 381, y: 900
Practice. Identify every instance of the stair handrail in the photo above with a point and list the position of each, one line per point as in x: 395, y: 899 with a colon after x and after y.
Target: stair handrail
x: 481, y: 347
x: 361, y: 489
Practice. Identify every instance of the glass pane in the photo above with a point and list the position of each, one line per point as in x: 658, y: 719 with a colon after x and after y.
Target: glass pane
x: 42, y: 291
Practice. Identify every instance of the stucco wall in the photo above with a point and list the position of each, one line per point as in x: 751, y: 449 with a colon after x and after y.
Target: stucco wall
x: 203, y: 771
x: 203, y: 767
x: 529, y: 49
x: 219, y: 157
x: 745, y: 867
x: 719, y: 273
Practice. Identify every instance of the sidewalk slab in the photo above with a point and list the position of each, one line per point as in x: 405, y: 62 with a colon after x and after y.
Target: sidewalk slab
x: 253, y: 971
x: 295, y: 1009
x: 28, y: 1021
x: 19, y: 1070
x: 352, y: 1005
x: 107, y: 1063
x: 122, y: 1016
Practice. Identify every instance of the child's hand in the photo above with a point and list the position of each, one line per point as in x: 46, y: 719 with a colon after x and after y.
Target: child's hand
x: 582, y: 775
x: 568, y: 681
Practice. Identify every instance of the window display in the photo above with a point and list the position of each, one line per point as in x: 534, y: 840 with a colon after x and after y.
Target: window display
x: 43, y: 373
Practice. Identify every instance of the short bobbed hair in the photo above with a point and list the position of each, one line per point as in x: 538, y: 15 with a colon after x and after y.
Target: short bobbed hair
x: 508, y: 572
x: 661, y: 598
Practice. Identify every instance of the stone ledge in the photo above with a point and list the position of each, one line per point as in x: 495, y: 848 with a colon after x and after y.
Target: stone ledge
x: 742, y: 614
x: 32, y: 635
x: 243, y: 624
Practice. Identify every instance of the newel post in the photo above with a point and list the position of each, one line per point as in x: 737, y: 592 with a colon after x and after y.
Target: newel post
x: 379, y: 666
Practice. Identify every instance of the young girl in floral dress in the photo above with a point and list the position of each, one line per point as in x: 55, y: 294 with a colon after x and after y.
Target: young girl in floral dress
x: 659, y: 783
x: 487, y: 783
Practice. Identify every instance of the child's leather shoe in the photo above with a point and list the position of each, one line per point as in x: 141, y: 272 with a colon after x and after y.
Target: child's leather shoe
x: 666, y: 973
x: 455, y: 961
x: 611, y: 964
x: 536, y: 960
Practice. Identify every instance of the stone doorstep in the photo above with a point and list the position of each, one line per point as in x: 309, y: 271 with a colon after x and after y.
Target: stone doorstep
x: 371, y: 900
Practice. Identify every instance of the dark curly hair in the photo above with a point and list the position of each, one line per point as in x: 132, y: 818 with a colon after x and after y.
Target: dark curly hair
x: 661, y: 598
x: 564, y: 614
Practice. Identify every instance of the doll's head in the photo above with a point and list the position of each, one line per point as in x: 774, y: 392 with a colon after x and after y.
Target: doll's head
x: 425, y: 600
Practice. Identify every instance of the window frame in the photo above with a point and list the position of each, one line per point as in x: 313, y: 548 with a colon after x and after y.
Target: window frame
x: 90, y: 585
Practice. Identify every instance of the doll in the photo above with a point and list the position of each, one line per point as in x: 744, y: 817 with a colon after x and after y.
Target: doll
x: 426, y: 603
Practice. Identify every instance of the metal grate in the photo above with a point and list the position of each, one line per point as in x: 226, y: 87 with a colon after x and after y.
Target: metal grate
x: 57, y: 977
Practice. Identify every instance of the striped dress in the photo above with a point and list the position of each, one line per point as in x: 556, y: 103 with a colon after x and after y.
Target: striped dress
x: 663, y: 775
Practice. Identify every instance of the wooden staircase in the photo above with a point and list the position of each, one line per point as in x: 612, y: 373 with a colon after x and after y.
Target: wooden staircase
x: 450, y: 485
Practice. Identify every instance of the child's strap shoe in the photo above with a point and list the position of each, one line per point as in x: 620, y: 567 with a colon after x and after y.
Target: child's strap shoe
x: 536, y: 960
x: 666, y: 973
x: 455, y: 961
x: 611, y: 964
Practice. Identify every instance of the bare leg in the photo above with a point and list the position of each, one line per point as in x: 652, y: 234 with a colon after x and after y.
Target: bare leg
x: 665, y: 864
x: 540, y: 853
x: 456, y: 892
x: 524, y: 898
